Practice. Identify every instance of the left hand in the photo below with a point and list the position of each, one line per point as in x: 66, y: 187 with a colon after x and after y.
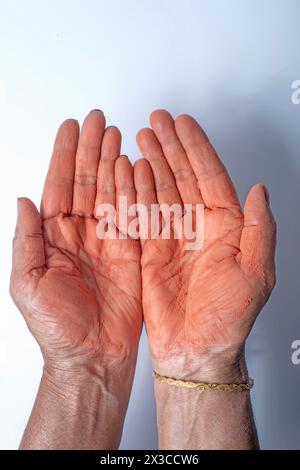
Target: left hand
x: 199, y: 306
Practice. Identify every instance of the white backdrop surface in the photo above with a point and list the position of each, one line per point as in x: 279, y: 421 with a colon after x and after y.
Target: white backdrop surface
x: 229, y: 63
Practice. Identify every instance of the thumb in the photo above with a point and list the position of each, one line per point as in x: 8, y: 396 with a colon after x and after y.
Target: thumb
x: 28, y: 244
x: 258, y: 238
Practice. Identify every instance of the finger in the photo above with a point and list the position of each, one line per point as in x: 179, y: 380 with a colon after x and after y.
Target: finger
x: 214, y: 182
x: 146, y: 199
x: 163, y: 125
x: 125, y: 193
x: 58, y: 190
x: 110, y: 151
x: 87, y: 160
x: 258, y: 238
x: 28, y: 245
x: 166, y: 190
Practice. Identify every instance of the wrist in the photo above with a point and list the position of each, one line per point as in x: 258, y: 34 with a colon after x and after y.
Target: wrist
x: 93, y: 395
x: 79, y: 407
x: 215, y: 366
x: 210, y: 419
x: 110, y: 378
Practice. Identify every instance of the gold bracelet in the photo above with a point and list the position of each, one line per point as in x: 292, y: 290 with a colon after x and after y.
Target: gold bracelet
x: 241, y: 387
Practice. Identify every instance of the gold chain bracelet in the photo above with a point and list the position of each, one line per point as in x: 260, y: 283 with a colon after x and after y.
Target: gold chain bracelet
x: 241, y: 387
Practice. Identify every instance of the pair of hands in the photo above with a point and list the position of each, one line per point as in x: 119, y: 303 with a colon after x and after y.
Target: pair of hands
x: 84, y: 299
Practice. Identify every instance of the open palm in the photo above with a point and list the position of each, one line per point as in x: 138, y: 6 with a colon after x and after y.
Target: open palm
x: 203, y: 302
x: 80, y: 296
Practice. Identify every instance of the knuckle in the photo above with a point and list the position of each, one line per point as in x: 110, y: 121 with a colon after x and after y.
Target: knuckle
x: 164, y: 186
x: 85, y: 179
x: 183, y: 174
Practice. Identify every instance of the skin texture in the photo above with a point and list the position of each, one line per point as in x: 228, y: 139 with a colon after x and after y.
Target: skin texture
x: 80, y: 296
x: 199, y: 306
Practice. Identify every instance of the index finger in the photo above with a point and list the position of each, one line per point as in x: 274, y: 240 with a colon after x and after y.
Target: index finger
x: 58, y: 190
x: 214, y: 181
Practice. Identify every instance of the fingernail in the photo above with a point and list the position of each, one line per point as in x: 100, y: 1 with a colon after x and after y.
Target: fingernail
x: 18, y: 204
x: 96, y: 111
x: 267, y: 195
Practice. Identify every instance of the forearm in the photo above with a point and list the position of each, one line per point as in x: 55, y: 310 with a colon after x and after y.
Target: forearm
x: 193, y: 419
x: 79, y: 409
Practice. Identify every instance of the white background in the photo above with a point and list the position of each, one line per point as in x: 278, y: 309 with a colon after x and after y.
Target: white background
x: 229, y: 63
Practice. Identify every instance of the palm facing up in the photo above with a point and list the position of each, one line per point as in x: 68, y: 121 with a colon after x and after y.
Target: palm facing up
x: 198, y: 304
x: 80, y: 295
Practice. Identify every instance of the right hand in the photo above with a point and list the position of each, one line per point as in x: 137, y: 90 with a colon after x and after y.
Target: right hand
x: 80, y: 296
